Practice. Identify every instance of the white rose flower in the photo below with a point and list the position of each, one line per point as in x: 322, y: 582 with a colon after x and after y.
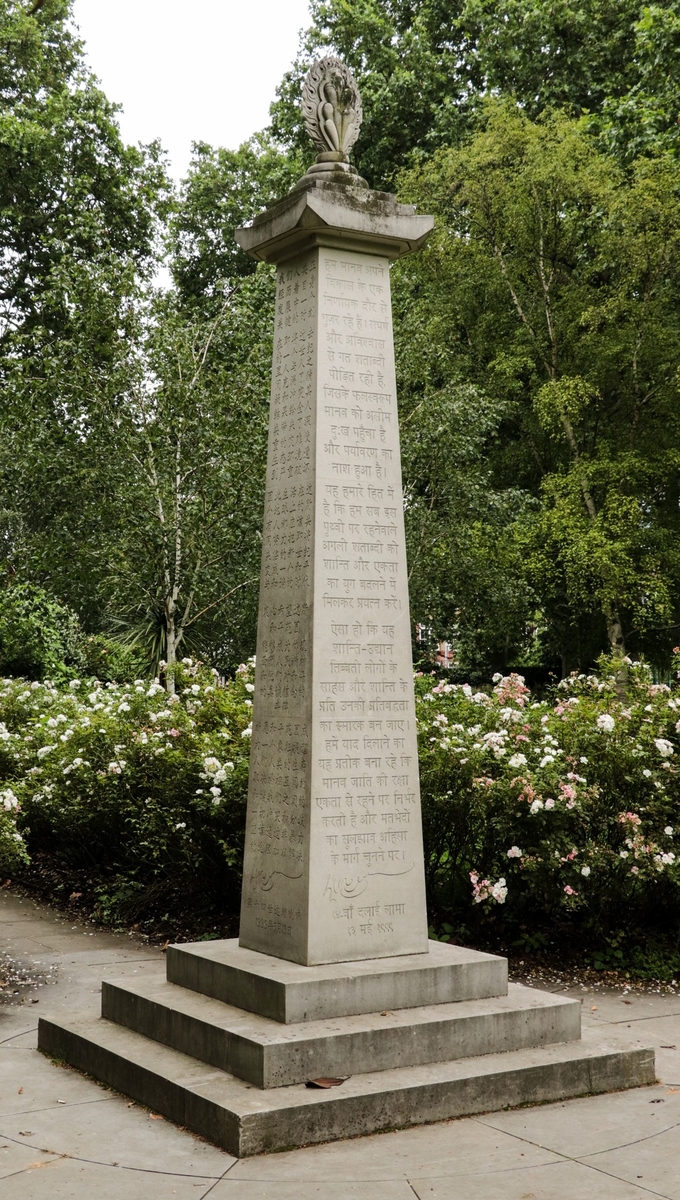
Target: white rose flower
x: 606, y: 722
x: 514, y: 852
x: 585, y: 871
x: 664, y: 747
x: 517, y: 760
x: 669, y: 831
x: 499, y: 891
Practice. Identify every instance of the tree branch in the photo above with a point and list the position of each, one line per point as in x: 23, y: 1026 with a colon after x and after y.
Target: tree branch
x: 221, y: 598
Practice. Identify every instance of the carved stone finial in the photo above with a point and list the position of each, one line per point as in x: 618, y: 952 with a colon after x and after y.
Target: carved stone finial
x: 331, y: 106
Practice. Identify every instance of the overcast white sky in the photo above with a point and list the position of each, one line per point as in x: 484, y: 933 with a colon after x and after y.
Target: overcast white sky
x: 190, y: 70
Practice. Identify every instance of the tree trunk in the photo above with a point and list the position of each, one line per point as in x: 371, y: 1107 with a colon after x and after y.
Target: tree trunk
x: 618, y: 648
x: 171, y: 649
x: 615, y: 631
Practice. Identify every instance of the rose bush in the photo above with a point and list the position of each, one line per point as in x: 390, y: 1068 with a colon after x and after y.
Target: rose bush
x: 550, y: 821
x: 141, y: 790
x: 564, y: 812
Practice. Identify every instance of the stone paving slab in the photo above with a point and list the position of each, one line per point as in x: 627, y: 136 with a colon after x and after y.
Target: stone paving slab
x: 68, y: 1179
x: 16, y: 1157
x: 583, y: 1149
x: 386, y: 1189
x: 454, y: 1148
x: 654, y: 1162
x: 561, y: 1181
x: 578, y: 1128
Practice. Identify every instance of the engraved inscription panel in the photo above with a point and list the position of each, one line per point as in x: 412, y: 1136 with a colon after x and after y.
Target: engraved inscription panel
x: 367, y: 896
x: 333, y: 867
x: 275, y: 877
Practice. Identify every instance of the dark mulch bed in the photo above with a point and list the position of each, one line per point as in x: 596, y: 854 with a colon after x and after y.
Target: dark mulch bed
x: 77, y: 895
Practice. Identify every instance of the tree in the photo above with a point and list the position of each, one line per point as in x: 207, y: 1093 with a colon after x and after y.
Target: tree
x: 138, y: 495
x: 465, y: 583
x: 223, y: 190
x: 189, y: 437
x: 555, y: 276
x: 38, y: 636
x: 71, y: 194
x: 80, y: 216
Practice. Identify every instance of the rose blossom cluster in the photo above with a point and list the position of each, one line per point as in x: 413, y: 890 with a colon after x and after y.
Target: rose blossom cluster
x: 553, y: 797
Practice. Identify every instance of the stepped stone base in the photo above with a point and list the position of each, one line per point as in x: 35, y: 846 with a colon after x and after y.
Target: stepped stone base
x: 269, y: 1054
x: 246, y: 1120
x: 416, y: 1038
x: 287, y: 992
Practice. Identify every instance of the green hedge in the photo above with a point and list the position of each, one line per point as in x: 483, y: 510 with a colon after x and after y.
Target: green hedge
x: 555, y: 822
x: 547, y: 823
x: 141, y: 792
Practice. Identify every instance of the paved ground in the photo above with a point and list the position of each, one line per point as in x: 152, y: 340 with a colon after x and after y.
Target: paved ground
x: 62, y: 1136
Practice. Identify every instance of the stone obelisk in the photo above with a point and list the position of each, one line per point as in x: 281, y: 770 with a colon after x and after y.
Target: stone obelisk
x: 333, y: 878
x: 333, y: 867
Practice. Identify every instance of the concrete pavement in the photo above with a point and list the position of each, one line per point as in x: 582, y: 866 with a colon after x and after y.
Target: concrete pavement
x: 64, y: 1137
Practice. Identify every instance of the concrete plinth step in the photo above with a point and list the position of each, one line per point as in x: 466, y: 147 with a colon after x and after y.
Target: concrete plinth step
x: 287, y: 992
x: 270, y: 1054
x: 245, y: 1120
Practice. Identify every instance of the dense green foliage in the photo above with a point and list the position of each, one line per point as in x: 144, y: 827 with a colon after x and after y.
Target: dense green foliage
x: 550, y: 288
x: 75, y: 202
x: 425, y: 67
x: 38, y: 636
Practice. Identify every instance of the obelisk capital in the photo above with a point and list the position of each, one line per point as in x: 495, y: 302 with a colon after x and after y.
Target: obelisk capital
x: 332, y: 205
x: 325, y: 214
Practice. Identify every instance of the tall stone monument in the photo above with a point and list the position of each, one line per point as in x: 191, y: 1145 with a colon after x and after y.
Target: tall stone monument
x: 333, y: 981
x: 333, y: 865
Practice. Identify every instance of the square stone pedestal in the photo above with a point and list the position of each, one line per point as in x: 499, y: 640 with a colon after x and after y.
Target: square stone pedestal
x: 225, y: 1042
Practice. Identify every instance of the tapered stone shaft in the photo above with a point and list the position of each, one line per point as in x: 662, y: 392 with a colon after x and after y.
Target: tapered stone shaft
x: 333, y: 866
